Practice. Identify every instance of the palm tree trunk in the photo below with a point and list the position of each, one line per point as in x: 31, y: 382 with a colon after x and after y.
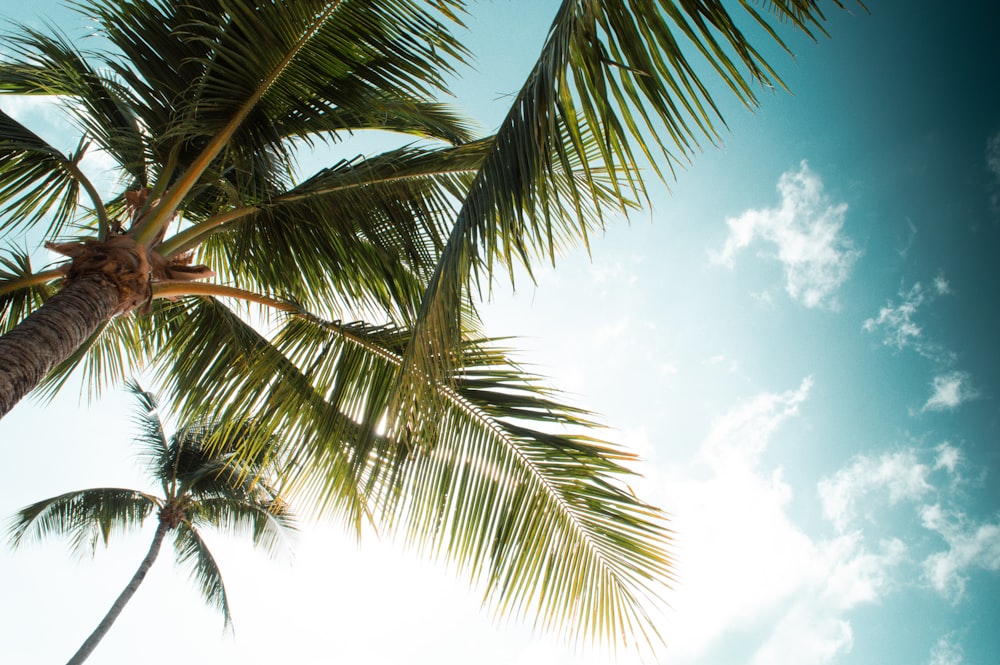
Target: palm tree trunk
x: 91, y: 642
x: 51, y: 333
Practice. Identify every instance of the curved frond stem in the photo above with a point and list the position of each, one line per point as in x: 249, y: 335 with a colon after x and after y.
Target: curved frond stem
x: 175, y: 195
x: 193, y: 236
x: 27, y: 281
x: 103, y: 225
x: 181, y: 289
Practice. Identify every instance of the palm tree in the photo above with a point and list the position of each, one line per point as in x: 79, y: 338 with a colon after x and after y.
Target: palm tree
x: 202, y: 486
x: 399, y: 411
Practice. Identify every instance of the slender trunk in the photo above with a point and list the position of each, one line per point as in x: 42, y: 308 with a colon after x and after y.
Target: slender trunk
x: 126, y: 595
x: 51, y: 334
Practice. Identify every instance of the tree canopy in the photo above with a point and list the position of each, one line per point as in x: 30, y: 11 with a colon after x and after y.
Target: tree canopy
x: 397, y: 406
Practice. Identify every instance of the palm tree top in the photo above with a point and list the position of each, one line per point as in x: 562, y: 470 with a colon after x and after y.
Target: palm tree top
x: 203, y: 486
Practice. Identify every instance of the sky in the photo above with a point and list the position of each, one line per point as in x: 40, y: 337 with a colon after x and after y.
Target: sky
x: 797, y: 335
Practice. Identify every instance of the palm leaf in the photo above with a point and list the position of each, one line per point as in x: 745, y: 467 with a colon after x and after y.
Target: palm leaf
x: 356, y: 239
x: 227, y: 74
x: 193, y: 554
x: 266, y: 520
x: 35, y: 179
x: 21, y: 290
x: 51, y: 65
x: 86, y: 516
x: 616, y: 87
x: 545, y: 514
x: 501, y: 481
x: 219, y: 368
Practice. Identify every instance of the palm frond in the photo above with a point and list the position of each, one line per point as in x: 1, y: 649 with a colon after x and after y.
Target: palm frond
x: 618, y: 85
x: 86, y: 516
x: 358, y: 239
x: 264, y: 518
x: 154, y: 447
x: 218, y: 367
x: 193, y: 554
x: 500, y: 480
x: 36, y: 179
x: 218, y: 77
x: 21, y: 289
x: 50, y: 65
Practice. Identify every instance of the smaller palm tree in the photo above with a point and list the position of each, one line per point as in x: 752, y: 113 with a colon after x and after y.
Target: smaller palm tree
x: 204, y: 484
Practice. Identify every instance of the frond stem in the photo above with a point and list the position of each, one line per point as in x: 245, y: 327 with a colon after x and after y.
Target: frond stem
x: 193, y: 235
x: 148, y: 230
x: 28, y: 281
x: 103, y: 226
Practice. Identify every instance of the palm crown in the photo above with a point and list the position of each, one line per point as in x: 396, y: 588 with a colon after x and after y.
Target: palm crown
x: 204, y: 484
x: 396, y: 406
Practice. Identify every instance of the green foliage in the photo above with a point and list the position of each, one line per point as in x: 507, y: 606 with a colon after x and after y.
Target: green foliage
x: 395, y: 406
x: 198, y: 471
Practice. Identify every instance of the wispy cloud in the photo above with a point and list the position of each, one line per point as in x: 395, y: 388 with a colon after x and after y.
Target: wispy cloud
x: 899, y: 326
x: 927, y: 479
x: 971, y: 545
x: 898, y: 475
x: 948, y: 457
x: 816, y: 628
x: 946, y: 651
x: 950, y: 391
x: 807, y: 230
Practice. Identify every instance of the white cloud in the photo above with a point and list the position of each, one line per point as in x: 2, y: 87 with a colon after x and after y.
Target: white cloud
x: 946, y: 651
x: 898, y: 323
x: 899, y: 475
x: 802, y: 636
x: 950, y: 391
x: 949, y: 457
x: 970, y: 546
x: 815, y: 628
x: 742, y: 434
x: 941, y: 285
x: 743, y: 565
x: 807, y: 230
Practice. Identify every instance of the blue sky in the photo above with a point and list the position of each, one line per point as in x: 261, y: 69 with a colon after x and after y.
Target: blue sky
x: 798, y: 337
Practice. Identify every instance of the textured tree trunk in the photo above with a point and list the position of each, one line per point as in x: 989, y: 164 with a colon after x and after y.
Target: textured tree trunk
x: 51, y: 333
x: 126, y: 595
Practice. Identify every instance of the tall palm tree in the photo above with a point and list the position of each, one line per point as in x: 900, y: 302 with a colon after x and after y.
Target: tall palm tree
x: 204, y: 485
x: 399, y: 410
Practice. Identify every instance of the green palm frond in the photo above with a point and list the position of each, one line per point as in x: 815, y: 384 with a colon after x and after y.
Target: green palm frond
x: 36, y: 179
x: 86, y: 516
x: 360, y: 236
x: 265, y: 519
x: 217, y: 76
x: 154, y: 447
x: 218, y: 367
x: 374, y: 110
x: 500, y: 480
x: 21, y: 289
x: 193, y: 554
x: 615, y: 88
x: 114, y: 352
x: 50, y: 65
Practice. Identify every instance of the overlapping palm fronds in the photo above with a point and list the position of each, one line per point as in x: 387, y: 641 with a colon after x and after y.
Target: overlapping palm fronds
x: 398, y: 409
